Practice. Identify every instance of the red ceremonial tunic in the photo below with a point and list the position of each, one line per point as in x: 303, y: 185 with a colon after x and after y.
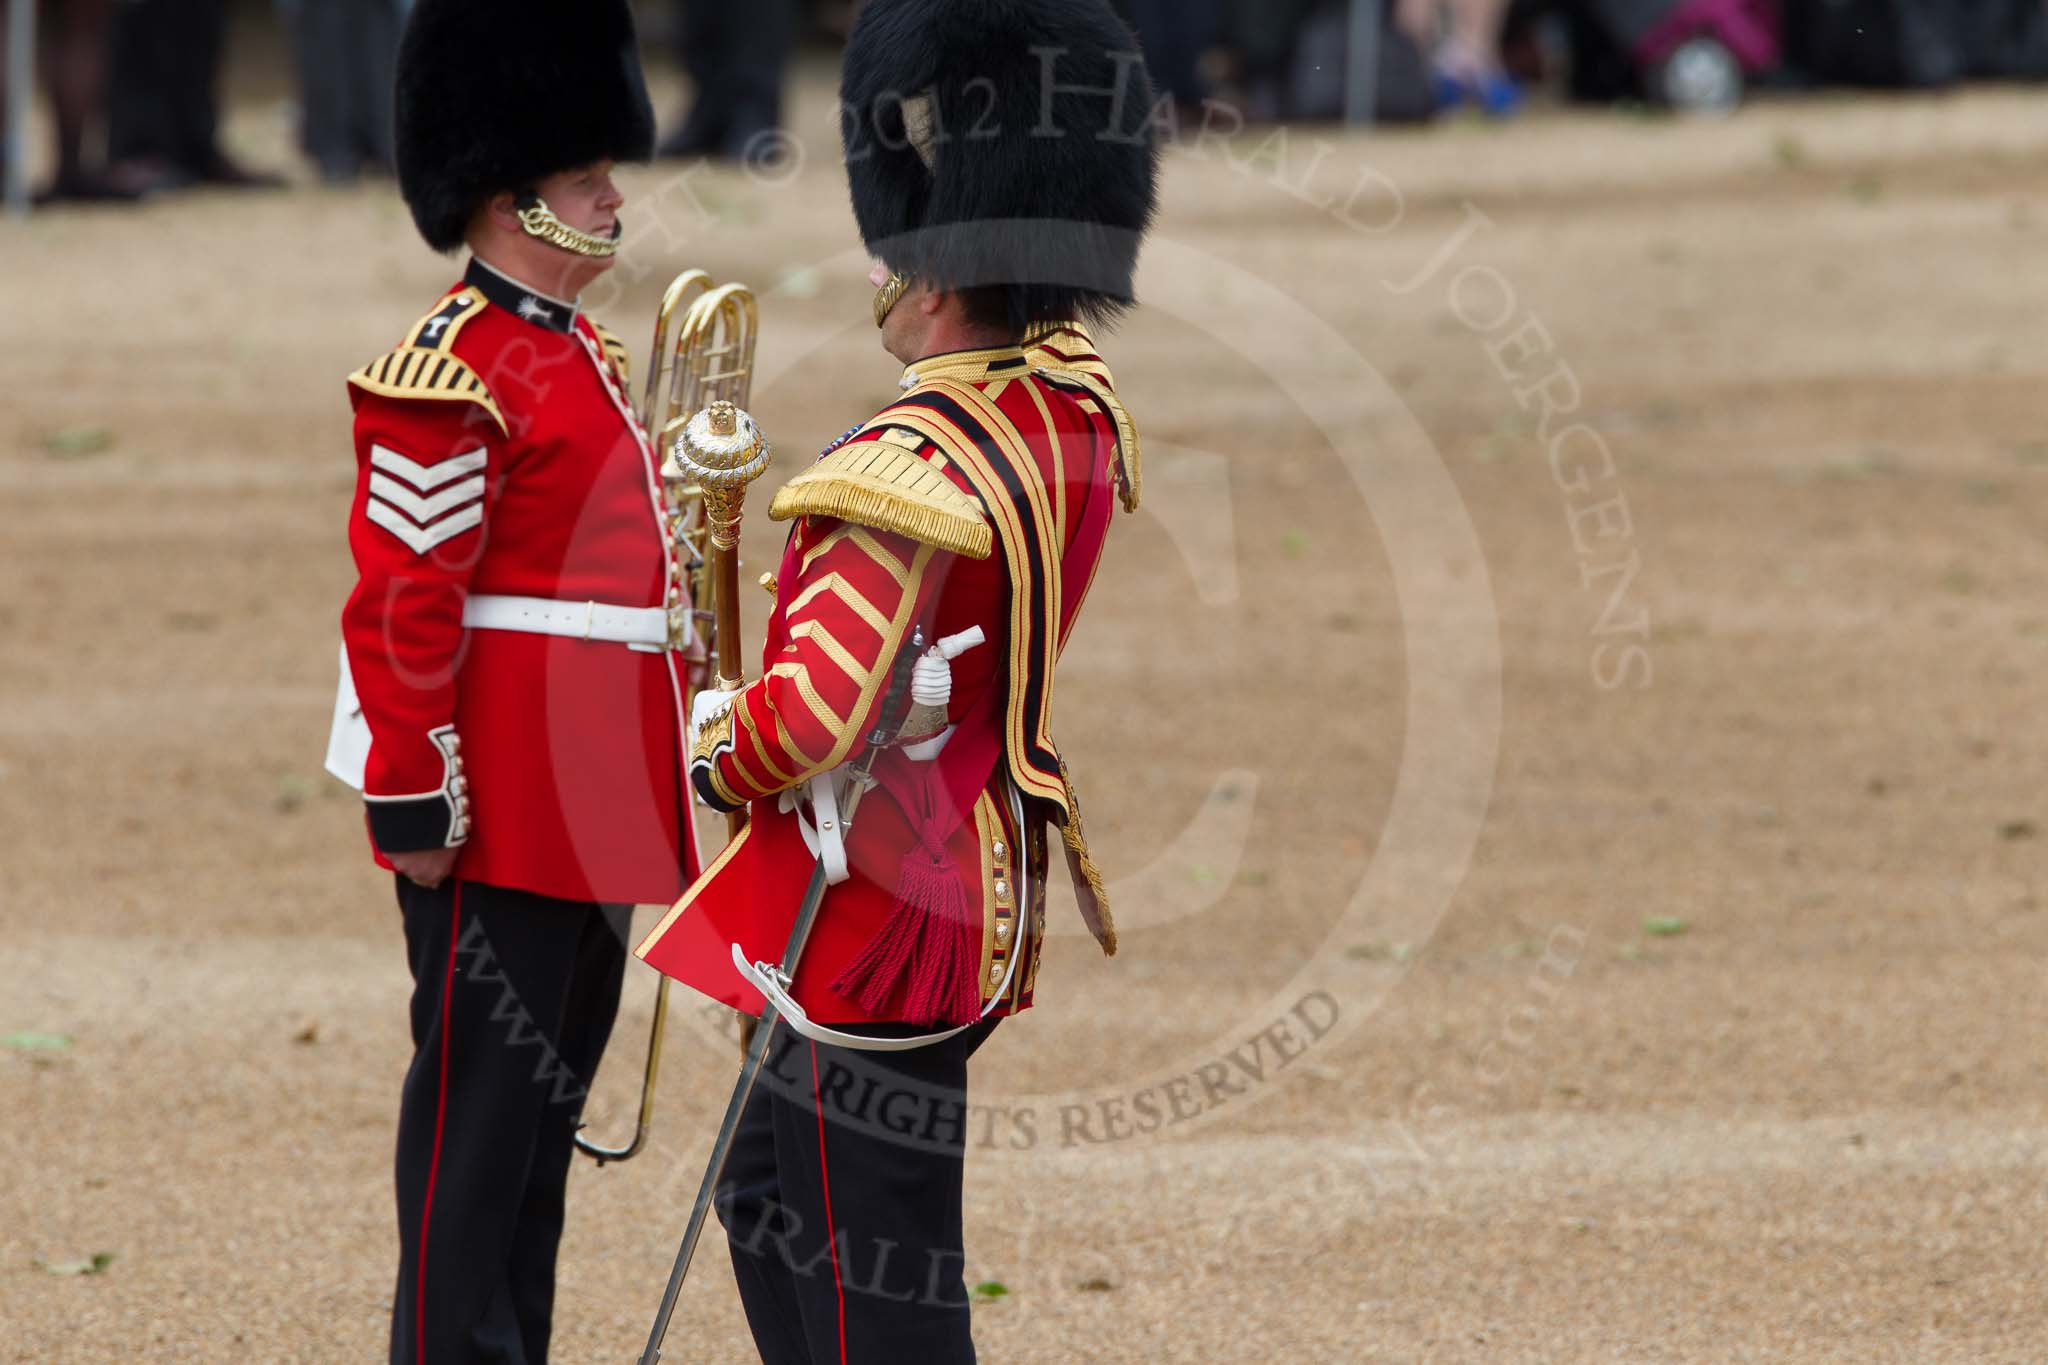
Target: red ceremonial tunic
x: 850, y: 597
x: 498, y: 454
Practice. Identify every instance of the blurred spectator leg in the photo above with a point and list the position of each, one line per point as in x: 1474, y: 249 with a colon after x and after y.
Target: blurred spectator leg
x: 320, y: 37
x: 1265, y: 34
x: 1476, y: 31
x: 699, y: 27
x: 6, y: 122
x: 736, y: 58
x: 1463, y: 38
x: 164, y: 115
x: 1175, y: 34
x: 139, y: 116
x: 346, y: 51
x: 75, y: 68
x: 376, y: 66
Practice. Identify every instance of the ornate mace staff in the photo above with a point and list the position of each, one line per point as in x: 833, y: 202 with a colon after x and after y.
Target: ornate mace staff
x: 697, y: 391
x: 721, y: 450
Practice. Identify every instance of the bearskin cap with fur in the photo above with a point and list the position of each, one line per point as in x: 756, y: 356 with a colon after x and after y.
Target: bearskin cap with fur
x: 1036, y: 117
x: 494, y: 95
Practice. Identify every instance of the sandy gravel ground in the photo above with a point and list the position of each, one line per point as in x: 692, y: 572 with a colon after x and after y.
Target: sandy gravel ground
x: 1404, y: 811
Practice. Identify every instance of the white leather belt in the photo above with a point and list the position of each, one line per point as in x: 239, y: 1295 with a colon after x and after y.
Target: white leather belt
x: 643, y: 629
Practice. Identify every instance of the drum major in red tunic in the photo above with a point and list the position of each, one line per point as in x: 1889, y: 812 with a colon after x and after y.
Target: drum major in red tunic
x: 1032, y: 450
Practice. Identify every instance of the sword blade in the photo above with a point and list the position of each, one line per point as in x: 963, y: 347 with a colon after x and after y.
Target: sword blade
x: 894, y: 704
x: 728, y: 1129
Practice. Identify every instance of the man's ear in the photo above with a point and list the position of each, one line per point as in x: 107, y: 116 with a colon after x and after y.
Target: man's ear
x: 932, y: 302
x: 503, y: 209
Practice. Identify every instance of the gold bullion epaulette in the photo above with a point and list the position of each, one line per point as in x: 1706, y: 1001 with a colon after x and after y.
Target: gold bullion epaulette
x: 422, y: 372
x: 882, y: 483
x: 615, y: 351
x: 426, y: 365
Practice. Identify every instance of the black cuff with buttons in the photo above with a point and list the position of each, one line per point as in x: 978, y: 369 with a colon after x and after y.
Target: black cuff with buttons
x: 441, y: 820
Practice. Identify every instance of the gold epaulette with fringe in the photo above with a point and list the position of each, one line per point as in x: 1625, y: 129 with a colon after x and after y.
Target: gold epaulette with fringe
x: 615, y: 351
x: 882, y: 485
x: 426, y: 373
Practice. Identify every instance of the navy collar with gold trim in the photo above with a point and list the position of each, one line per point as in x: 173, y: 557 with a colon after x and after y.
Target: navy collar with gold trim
x: 983, y: 366
x: 523, y: 302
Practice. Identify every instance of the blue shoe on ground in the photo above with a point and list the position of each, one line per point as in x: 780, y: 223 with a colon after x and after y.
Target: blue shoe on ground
x: 1499, y: 96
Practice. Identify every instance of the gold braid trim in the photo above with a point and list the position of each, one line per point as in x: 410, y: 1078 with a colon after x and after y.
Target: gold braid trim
x: 1130, y: 472
x: 1041, y: 348
x: 882, y: 486
x: 716, y: 735
x: 1100, y: 923
x: 710, y: 875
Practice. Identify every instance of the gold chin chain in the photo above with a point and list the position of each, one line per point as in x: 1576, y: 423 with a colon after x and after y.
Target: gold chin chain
x: 888, y: 296
x: 539, y: 220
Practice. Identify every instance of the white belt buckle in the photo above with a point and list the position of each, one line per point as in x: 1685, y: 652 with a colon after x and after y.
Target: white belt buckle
x: 589, y: 618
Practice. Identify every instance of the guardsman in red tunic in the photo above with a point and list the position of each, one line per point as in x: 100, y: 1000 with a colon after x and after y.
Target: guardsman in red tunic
x: 1003, y: 174
x: 512, y: 706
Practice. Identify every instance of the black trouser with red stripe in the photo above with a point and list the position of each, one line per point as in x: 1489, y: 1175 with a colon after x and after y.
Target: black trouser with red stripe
x: 513, y: 1000
x: 841, y: 1203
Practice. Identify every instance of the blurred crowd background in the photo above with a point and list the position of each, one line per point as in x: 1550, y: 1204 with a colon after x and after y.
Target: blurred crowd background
x: 134, y: 86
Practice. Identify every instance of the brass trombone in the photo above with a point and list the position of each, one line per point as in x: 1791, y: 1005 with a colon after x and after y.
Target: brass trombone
x: 698, y: 386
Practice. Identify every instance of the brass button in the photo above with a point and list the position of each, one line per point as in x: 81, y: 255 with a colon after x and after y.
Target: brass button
x: 1002, y: 889
x: 1003, y: 932
x: 999, y: 851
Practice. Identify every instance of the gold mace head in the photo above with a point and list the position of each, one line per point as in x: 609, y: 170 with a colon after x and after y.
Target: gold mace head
x: 720, y: 448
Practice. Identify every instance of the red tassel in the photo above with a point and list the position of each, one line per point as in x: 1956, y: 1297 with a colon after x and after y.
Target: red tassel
x: 929, y: 938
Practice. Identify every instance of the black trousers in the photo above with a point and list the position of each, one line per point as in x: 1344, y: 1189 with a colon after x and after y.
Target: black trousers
x: 161, y: 86
x: 513, y: 1000
x: 841, y: 1204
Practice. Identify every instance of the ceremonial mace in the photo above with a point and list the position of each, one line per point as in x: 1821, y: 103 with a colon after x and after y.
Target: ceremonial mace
x: 888, y: 725
x: 698, y: 385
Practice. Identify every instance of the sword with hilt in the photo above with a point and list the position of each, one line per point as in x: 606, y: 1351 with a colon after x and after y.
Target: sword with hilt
x: 887, y: 730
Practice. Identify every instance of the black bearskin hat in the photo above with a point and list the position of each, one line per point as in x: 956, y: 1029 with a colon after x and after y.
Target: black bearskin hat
x: 494, y: 95
x: 1003, y: 143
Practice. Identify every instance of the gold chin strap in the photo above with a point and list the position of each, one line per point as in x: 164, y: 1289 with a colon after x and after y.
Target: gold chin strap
x: 888, y: 296
x: 539, y: 220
